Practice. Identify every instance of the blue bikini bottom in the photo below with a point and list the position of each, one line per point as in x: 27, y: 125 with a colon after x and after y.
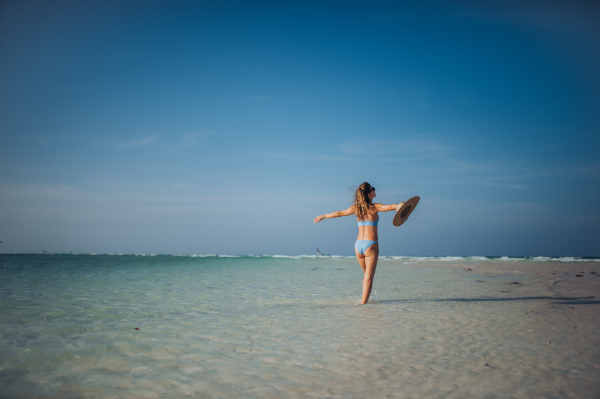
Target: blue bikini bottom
x: 362, y: 245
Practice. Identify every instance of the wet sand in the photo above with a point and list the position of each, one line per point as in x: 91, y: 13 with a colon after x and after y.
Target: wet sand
x: 563, y: 279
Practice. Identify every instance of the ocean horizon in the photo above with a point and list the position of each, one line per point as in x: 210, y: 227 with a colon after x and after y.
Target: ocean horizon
x: 325, y: 256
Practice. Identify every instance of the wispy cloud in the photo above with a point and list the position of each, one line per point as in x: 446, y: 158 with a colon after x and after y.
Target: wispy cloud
x: 170, y: 196
x: 579, y: 16
x: 266, y: 98
x: 255, y: 97
x: 397, y: 147
x: 370, y: 149
x: 48, y: 192
x: 313, y: 157
x: 591, y: 171
x: 506, y: 185
x: 74, y: 88
x: 191, y: 140
x: 529, y: 206
x: 299, y: 156
x: 134, y: 144
x: 37, y: 139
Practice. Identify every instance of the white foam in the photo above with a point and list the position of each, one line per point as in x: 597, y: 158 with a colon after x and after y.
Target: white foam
x: 483, y: 258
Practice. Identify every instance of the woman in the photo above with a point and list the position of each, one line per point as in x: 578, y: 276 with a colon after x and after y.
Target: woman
x: 366, y: 246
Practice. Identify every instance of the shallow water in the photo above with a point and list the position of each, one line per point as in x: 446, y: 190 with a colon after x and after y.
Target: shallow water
x: 274, y: 327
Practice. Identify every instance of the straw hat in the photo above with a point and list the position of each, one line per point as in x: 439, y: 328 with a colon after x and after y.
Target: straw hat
x: 403, y: 211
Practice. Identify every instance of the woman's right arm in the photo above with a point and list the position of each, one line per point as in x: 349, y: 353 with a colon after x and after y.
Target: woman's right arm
x: 337, y: 214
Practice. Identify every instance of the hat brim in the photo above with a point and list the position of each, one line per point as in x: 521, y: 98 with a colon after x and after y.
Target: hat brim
x: 404, y: 211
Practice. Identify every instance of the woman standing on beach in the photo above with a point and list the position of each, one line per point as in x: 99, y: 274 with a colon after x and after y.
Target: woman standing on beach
x: 366, y: 246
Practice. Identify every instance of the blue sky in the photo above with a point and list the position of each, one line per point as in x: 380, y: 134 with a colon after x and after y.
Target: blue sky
x: 225, y: 127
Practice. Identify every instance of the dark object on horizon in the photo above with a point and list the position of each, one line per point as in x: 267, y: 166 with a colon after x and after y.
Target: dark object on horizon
x: 44, y: 251
x: 320, y: 254
x: 579, y: 275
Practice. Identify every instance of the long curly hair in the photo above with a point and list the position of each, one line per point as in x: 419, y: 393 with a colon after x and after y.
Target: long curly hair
x: 361, y: 202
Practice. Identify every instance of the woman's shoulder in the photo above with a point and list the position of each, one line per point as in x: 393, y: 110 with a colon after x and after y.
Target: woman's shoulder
x: 373, y: 210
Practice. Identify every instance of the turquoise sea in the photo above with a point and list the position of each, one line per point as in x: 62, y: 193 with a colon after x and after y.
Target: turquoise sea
x: 207, y: 326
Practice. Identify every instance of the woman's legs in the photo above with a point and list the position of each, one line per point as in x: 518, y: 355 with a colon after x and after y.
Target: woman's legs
x: 368, y: 262
x: 361, y: 260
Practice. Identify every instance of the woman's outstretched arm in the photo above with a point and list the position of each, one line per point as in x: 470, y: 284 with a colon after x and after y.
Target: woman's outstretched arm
x: 386, y: 208
x: 337, y: 214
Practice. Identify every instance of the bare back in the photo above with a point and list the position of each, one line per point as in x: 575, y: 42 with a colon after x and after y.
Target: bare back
x: 369, y: 232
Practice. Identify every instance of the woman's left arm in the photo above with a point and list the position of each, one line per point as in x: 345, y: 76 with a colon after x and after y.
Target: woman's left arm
x: 387, y: 208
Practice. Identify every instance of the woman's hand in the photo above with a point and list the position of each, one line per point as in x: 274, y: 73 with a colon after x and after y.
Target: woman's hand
x: 319, y: 218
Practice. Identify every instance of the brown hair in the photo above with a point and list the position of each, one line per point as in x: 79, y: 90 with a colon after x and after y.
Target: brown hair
x: 361, y: 202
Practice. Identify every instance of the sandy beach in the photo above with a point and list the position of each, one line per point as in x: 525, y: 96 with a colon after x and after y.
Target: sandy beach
x: 563, y: 278
x: 529, y: 321
x: 269, y: 327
